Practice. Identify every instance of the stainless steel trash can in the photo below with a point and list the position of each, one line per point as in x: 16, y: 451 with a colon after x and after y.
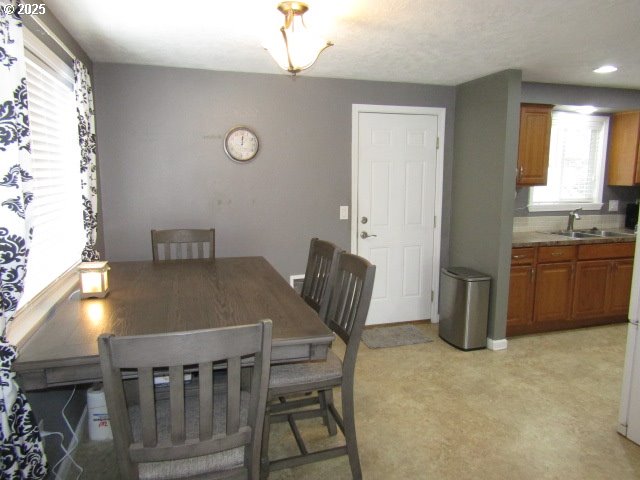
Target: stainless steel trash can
x: 464, y: 307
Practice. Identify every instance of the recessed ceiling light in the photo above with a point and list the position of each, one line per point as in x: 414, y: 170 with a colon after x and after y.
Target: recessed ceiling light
x: 606, y: 69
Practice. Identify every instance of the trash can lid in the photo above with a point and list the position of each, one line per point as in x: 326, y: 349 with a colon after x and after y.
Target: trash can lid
x: 467, y: 274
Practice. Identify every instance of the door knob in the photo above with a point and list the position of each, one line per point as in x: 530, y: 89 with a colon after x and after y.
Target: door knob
x: 364, y: 235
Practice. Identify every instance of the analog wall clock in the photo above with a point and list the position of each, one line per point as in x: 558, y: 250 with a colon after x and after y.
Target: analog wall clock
x: 241, y: 144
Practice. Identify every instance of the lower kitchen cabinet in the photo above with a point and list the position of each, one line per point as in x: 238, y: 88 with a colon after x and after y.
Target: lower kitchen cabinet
x: 620, y: 290
x: 521, y: 288
x: 554, y: 289
x: 590, y: 299
x: 571, y: 286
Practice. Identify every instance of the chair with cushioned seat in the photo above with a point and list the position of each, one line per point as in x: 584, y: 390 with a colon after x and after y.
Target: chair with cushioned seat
x: 208, y: 427
x: 319, y: 275
x: 346, y: 315
x: 180, y: 244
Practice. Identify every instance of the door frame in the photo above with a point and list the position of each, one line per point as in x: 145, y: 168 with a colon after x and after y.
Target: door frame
x: 440, y: 113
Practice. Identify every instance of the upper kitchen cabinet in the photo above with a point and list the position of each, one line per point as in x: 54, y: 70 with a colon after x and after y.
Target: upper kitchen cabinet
x: 624, y: 149
x: 533, y: 148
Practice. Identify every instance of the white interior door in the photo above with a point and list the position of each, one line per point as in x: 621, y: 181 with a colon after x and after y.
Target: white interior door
x: 396, y: 213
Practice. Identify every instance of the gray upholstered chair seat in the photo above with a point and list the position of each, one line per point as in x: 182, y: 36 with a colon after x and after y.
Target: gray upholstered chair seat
x: 188, y: 467
x: 291, y: 374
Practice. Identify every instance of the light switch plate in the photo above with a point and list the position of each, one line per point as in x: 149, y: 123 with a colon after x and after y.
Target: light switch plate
x: 344, y: 212
x: 613, y: 205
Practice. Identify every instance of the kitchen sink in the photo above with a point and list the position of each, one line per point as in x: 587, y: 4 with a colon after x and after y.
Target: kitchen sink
x: 573, y: 234
x: 608, y: 233
x: 593, y: 233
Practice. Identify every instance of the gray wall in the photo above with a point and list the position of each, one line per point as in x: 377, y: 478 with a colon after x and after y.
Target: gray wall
x: 160, y: 134
x: 485, y: 151
x: 608, y: 99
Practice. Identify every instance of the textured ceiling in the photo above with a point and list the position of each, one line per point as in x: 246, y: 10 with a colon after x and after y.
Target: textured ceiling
x: 443, y: 42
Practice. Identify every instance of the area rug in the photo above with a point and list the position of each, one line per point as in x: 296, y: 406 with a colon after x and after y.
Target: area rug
x: 393, y: 336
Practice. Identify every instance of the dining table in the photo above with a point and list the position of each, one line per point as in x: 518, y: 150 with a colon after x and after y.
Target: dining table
x: 147, y: 297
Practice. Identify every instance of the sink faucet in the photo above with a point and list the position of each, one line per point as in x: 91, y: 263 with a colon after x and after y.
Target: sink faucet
x: 573, y: 215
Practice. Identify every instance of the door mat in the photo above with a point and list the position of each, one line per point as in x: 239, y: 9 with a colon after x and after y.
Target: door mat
x: 393, y: 336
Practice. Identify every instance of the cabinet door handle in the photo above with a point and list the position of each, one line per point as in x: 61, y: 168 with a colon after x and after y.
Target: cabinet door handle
x: 533, y: 274
x: 518, y: 256
x: 556, y: 254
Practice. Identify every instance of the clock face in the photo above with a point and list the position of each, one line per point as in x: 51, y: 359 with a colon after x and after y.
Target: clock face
x: 241, y: 144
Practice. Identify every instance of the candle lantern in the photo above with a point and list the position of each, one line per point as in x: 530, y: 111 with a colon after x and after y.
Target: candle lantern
x: 94, y: 279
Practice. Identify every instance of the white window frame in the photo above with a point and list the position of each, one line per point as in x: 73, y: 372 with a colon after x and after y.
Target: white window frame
x: 43, y: 300
x: 599, y: 173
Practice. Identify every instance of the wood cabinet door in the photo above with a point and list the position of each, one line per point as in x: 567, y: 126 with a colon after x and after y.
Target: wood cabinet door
x: 620, y: 287
x: 590, y: 293
x: 520, y: 309
x: 553, y: 292
x: 624, y: 149
x: 533, y: 147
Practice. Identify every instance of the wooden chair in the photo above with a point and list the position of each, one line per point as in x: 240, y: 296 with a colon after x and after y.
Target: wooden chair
x: 319, y: 275
x: 186, y: 239
x: 216, y: 427
x: 346, y: 315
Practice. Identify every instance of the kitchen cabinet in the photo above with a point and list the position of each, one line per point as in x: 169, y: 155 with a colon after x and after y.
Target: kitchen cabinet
x: 533, y: 146
x: 568, y: 286
x: 554, y: 284
x: 603, y: 281
x: 624, y: 149
x: 521, y: 288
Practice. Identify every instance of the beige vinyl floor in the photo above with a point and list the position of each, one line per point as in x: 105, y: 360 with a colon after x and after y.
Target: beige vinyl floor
x: 545, y: 408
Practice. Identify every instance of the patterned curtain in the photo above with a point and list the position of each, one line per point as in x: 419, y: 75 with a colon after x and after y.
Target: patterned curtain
x: 21, y: 446
x: 86, y: 133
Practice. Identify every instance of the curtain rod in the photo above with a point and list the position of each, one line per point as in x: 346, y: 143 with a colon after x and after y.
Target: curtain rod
x: 52, y: 36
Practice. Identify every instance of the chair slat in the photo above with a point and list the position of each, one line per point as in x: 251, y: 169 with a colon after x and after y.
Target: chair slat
x: 182, y: 244
x: 147, y: 407
x: 233, y: 395
x: 176, y: 399
x: 205, y: 377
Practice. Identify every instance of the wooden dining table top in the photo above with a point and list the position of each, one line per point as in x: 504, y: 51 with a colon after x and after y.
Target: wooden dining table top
x: 158, y: 297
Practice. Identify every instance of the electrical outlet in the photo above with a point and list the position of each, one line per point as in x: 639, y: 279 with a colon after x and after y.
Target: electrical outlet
x: 613, y: 205
x: 344, y: 212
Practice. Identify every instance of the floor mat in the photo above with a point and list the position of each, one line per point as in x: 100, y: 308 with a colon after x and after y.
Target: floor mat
x: 393, y: 336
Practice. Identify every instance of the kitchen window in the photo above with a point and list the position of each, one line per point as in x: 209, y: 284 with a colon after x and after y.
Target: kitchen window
x: 577, y: 154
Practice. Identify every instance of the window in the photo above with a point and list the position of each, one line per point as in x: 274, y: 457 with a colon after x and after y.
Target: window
x: 576, y: 164
x: 56, y: 210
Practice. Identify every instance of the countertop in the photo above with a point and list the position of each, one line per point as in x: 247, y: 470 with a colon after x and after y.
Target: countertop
x: 535, y: 239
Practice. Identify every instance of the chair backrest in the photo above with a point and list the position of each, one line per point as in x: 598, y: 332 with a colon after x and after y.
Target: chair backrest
x: 167, y: 427
x: 180, y: 244
x: 319, y: 275
x: 349, y: 303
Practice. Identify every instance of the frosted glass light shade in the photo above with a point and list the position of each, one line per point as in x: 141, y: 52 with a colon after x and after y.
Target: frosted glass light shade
x: 294, y: 47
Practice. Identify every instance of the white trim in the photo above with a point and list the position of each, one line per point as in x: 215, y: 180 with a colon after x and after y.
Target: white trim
x: 440, y: 113
x: 30, y: 316
x: 293, y: 278
x: 496, y: 345
x: 41, y: 24
x: 562, y: 207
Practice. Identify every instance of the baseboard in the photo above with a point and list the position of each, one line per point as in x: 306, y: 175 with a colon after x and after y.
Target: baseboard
x: 496, y: 345
x: 80, y: 431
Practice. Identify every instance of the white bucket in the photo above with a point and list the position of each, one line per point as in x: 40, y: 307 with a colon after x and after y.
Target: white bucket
x: 98, y: 417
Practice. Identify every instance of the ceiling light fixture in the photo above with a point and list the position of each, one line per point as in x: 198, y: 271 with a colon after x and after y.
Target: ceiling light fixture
x: 606, y: 69
x: 295, y: 48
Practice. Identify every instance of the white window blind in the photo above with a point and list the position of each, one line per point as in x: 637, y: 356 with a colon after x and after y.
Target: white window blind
x: 56, y: 210
x: 576, y: 164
